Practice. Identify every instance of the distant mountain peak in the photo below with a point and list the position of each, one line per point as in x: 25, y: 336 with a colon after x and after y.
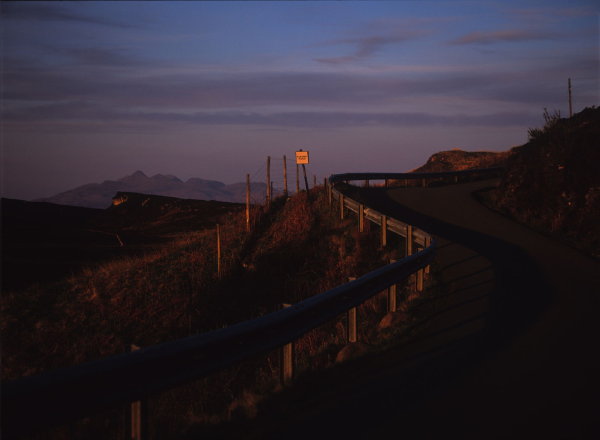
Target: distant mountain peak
x: 166, y: 177
x: 100, y: 195
x: 138, y: 175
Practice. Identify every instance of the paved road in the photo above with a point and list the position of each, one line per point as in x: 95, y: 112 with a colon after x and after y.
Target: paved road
x: 545, y: 381
x: 513, y: 356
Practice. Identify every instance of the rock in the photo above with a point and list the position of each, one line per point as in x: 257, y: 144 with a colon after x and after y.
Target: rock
x: 392, y: 319
x: 352, y: 351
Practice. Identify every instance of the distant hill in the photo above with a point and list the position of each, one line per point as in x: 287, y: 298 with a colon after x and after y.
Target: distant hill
x: 552, y: 183
x: 457, y: 160
x: 99, y: 195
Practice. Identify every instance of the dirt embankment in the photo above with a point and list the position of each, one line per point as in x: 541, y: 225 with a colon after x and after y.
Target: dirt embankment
x: 458, y: 160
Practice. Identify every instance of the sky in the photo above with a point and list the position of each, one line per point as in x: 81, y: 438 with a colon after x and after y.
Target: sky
x: 93, y: 91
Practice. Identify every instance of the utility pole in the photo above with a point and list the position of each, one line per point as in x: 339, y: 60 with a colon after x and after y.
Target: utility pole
x: 248, y: 202
x: 570, y: 100
x: 285, y: 187
x: 268, y: 181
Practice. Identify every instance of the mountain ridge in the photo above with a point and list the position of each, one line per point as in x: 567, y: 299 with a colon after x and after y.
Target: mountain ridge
x: 100, y: 195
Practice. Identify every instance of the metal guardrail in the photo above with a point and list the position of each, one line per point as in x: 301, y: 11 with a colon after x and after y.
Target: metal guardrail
x: 55, y: 397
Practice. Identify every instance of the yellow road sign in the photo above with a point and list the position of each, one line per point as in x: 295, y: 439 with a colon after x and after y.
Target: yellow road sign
x: 301, y: 157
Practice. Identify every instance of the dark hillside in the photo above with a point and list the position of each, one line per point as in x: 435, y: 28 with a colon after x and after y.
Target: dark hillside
x: 297, y: 248
x: 552, y: 183
x: 153, y: 215
x: 45, y: 241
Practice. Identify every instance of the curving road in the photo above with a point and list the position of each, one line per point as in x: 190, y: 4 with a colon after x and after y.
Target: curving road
x: 544, y: 383
x: 510, y: 353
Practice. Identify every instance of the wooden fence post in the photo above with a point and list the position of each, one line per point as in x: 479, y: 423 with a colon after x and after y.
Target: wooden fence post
x: 420, y: 280
x: 341, y: 206
x: 247, y: 202
x: 297, y: 178
x: 427, y: 244
x: 287, y: 360
x: 383, y: 231
x: 409, y: 240
x: 139, y: 415
x: 392, y: 295
x: 352, y: 329
x: 218, y: 250
x: 285, y: 186
x: 268, y: 181
x: 361, y: 218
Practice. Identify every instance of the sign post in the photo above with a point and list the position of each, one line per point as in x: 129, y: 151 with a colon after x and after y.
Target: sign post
x: 302, y: 159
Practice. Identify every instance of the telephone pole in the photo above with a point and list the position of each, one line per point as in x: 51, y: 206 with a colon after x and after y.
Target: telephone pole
x: 570, y: 100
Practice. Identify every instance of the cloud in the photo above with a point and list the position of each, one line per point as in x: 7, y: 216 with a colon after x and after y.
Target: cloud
x: 80, y: 114
x: 49, y: 13
x: 138, y: 88
x: 134, y: 88
x: 100, y: 56
x: 514, y: 35
x: 367, y: 46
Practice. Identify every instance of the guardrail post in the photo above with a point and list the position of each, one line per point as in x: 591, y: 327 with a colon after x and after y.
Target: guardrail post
x: 392, y: 295
x: 383, y: 231
x: 420, y: 280
x: 427, y: 244
x: 287, y: 360
x: 352, y: 329
x: 139, y: 415
x: 341, y: 206
x: 409, y: 240
x: 361, y: 218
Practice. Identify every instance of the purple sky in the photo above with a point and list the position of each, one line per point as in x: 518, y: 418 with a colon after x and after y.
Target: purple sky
x: 97, y: 90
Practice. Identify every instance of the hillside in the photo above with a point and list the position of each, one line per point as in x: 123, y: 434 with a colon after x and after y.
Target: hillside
x: 42, y: 242
x: 457, y: 160
x: 552, y: 183
x: 296, y: 249
x: 99, y: 195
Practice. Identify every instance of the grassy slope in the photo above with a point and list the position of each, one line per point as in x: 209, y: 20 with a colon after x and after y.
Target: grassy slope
x: 297, y: 249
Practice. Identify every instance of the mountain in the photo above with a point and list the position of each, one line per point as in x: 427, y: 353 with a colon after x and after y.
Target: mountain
x: 457, y: 160
x: 100, y: 195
